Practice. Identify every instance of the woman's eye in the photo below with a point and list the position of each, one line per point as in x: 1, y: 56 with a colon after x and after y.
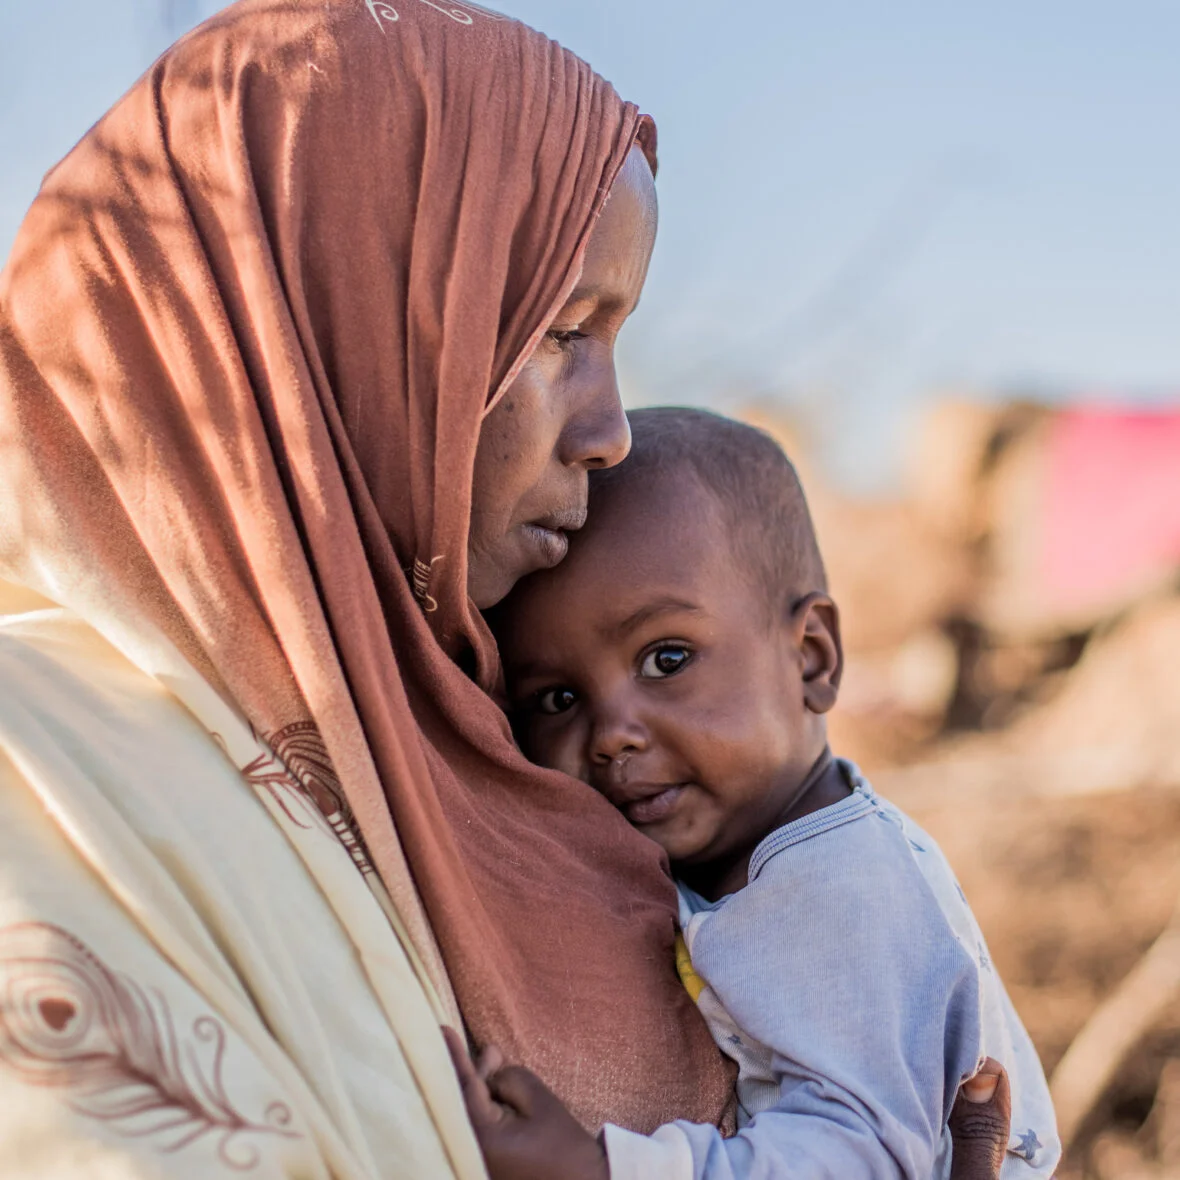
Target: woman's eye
x: 565, y: 337
x: 556, y: 700
x: 664, y: 662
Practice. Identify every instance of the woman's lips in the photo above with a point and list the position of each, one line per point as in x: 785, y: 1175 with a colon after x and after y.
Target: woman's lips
x: 654, y: 808
x: 547, y: 535
x: 551, y: 545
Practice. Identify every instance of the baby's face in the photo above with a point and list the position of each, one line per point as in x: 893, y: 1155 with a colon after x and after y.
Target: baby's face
x: 648, y: 665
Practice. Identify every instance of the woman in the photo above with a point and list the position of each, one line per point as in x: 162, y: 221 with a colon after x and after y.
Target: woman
x: 305, y: 352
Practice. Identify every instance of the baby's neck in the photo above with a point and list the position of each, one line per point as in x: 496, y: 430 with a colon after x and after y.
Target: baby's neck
x: 823, y: 785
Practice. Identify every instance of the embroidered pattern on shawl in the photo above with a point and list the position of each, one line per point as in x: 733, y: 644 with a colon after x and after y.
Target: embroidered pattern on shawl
x: 242, y: 377
x: 67, y: 1021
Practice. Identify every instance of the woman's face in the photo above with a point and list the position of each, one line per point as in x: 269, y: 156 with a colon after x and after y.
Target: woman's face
x: 562, y: 415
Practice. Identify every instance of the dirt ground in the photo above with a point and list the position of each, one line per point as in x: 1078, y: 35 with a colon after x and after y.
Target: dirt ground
x: 1062, y: 821
x: 1070, y: 894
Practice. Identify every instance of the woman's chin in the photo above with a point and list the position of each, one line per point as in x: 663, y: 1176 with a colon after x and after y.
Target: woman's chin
x: 527, y: 550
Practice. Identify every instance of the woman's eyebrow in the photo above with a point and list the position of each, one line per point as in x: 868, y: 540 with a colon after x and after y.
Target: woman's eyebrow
x: 593, y: 301
x: 581, y: 304
x: 652, y: 610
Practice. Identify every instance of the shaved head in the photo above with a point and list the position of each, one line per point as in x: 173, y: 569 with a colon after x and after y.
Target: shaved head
x: 682, y: 658
x: 754, y: 484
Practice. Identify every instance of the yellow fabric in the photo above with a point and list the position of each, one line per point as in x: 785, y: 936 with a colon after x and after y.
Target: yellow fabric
x: 693, y: 983
x: 195, y: 979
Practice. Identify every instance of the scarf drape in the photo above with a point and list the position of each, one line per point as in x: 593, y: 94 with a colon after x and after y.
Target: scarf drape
x: 248, y: 333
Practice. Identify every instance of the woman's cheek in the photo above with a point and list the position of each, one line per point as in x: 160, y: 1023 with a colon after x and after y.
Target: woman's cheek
x: 531, y: 423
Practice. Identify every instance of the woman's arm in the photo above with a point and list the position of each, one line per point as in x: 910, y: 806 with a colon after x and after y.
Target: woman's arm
x: 112, y: 1063
x: 191, y: 984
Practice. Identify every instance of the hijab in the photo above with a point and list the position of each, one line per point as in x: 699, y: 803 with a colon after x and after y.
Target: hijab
x: 248, y: 333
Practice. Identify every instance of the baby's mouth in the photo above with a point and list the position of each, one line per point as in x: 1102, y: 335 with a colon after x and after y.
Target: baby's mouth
x: 651, y: 809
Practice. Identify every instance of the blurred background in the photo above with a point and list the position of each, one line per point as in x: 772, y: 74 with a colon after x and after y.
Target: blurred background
x: 936, y: 250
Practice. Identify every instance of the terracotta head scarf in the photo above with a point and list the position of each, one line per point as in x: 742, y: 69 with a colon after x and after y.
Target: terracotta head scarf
x: 248, y: 333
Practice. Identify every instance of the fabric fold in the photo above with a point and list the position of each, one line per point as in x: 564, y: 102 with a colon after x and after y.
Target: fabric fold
x: 248, y: 333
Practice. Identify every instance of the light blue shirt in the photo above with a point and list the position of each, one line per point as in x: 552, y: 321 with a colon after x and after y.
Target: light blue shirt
x: 850, y: 982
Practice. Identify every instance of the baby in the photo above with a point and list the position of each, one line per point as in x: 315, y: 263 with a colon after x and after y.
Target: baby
x: 681, y: 661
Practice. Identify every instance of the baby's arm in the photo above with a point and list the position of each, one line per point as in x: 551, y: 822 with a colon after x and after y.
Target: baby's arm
x: 526, y: 1133
x: 854, y: 1006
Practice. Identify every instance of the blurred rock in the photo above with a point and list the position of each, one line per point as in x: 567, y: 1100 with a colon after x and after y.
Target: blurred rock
x: 892, y: 575
x: 1163, y: 1124
x: 950, y: 454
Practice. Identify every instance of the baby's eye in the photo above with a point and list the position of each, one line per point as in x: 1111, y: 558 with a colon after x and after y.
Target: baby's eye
x: 664, y: 662
x: 556, y: 700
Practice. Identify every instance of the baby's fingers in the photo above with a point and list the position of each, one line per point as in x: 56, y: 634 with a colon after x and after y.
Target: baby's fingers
x: 520, y: 1089
x: 458, y: 1052
x: 491, y: 1061
x: 481, y: 1107
x: 979, y: 1123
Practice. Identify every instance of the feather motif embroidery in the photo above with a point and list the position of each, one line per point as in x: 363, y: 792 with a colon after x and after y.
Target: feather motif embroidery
x: 296, y: 771
x: 70, y: 1023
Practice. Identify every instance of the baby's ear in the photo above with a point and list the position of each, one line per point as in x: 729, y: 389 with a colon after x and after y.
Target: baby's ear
x: 817, y: 627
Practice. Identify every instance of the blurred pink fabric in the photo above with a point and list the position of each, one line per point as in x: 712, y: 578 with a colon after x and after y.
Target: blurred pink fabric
x: 1112, y: 515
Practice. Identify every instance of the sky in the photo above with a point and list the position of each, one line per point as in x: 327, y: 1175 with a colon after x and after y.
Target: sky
x: 864, y: 205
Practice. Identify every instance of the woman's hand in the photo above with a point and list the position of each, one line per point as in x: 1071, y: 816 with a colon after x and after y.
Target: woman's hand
x: 980, y: 1123
x: 524, y: 1130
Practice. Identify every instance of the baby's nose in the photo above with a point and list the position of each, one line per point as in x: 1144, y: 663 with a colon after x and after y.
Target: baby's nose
x: 614, y: 741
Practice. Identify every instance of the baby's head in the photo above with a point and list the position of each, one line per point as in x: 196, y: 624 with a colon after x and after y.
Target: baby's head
x: 682, y: 657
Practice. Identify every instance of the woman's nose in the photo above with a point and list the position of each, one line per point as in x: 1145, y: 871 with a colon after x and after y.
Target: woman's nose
x: 597, y: 433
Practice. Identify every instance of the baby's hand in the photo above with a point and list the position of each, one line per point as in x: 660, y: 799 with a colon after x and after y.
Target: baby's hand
x: 524, y: 1131
x: 980, y: 1123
